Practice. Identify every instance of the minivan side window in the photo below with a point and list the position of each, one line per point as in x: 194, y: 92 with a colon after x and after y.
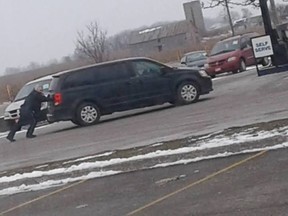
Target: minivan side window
x: 112, y: 72
x: 146, y: 68
x: 96, y: 75
x: 81, y: 78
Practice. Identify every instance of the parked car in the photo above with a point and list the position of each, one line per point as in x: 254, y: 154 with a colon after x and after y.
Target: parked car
x: 13, y: 110
x: 195, y: 59
x: 232, y: 55
x: 83, y: 95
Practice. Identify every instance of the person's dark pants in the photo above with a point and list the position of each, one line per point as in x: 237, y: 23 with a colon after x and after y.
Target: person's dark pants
x: 28, y: 120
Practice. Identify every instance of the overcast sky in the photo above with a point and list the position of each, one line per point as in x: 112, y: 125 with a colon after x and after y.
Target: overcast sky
x: 42, y: 30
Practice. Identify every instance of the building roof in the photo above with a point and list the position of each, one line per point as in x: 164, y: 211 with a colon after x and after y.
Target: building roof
x: 161, y: 31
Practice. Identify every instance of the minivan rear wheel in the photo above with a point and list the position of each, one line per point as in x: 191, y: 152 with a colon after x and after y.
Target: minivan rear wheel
x: 87, y: 114
x: 187, y: 93
x: 74, y: 121
x: 265, y: 61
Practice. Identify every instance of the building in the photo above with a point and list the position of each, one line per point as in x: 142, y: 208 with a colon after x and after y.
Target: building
x: 193, y: 12
x: 163, y: 38
x: 173, y: 36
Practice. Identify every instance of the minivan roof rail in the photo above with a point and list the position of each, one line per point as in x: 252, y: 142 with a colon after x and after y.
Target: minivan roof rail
x: 99, y: 64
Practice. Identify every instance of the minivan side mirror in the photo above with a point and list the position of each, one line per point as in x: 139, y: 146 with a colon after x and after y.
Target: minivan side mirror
x: 12, y: 98
x: 183, y: 60
x: 243, y: 46
x: 165, y: 70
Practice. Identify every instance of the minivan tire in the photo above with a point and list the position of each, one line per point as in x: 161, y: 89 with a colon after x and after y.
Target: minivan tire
x: 74, y: 121
x: 187, y: 92
x: 213, y: 76
x: 87, y: 114
x: 265, y: 61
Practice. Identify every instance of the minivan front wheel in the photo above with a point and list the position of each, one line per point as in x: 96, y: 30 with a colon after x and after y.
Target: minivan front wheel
x: 87, y: 114
x: 187, y: 92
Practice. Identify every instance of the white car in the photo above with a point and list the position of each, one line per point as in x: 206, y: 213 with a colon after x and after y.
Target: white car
x: 13, y: 110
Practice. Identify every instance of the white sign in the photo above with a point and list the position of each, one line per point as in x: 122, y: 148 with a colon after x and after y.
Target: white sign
x: 262, y: 46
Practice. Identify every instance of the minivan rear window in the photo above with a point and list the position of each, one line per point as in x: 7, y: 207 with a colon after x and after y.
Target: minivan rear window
x: 53, y: 84
x: 27, y: 89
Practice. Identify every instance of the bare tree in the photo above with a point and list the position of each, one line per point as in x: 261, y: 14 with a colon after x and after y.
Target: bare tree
x: 227, y: 4
x: 246, y: 13
x: 216, y: 3
x: 93, y: 43
x: 120, y: 41
x: 274, y: 14
x: 282, y: 10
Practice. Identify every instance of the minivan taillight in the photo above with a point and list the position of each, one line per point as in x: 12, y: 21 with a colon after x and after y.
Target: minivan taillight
x: 57, y: 99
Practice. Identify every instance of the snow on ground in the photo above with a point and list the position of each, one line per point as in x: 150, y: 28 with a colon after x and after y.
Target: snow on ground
x: 222, y: 155
x: 89, y: 157
x: 24, y: 130
x: 203, y: 143
x: 54, y: 183
x: 2, y: 135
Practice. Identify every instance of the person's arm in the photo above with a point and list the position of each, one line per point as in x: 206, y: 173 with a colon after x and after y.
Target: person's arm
x: 43, y: 98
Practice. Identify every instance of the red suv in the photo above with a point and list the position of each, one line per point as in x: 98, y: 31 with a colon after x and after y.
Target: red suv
x: 232, y: 55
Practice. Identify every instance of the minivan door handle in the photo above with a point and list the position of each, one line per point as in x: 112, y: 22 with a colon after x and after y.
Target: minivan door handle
x: 133, y: 81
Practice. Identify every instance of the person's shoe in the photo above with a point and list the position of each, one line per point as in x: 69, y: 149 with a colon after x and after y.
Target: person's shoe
x: 31, y: 136
x: 10, y: 139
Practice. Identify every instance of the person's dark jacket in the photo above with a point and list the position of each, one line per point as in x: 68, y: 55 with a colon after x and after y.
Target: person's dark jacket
x: 32, y: 105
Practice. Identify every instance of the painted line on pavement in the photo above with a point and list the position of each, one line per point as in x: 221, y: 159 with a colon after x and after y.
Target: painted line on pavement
x: 42, y: 197
x: 205, y: 179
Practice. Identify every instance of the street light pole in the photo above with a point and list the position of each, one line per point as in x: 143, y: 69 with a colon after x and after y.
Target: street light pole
x: 267, y: 21
x: 274, y: 14
x: 229, y: 17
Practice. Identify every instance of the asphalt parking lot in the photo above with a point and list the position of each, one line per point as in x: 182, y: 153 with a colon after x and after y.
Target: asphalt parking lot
x: 247, y: 184
x: 252, y: 184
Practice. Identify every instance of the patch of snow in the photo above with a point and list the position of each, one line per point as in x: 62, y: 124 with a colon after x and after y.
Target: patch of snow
x: 221, y: 155
x: 54, y: 183
x: 82, y: 206
x: 149, y: 30
x: 157, y: 144
x: 4, y: 134
x: 92, y: 175
x: 203, y: 143
x: 42, y: 166
x: 218, y: 141
x: 89, y: 157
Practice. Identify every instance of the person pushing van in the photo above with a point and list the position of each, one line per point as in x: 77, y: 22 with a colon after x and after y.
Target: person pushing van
x: 29, y: 112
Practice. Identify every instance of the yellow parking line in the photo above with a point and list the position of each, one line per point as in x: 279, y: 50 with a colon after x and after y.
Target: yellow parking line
x: 198, y: 182
x: 42, y: 197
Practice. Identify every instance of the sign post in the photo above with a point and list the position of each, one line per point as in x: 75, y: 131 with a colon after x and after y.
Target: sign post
x: 262, y: 47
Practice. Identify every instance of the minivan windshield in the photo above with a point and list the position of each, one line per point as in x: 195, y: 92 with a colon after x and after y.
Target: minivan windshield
x: 225, y: 46
x: 196, y: 57
x: 26, y: 89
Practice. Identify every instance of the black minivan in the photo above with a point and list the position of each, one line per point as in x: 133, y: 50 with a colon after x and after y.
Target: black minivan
x: 84, y: 94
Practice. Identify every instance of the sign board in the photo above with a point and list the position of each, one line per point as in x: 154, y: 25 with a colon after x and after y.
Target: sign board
x: 262, y: 46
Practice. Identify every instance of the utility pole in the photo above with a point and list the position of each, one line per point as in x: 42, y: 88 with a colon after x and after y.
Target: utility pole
x: 274, y: 14
x: 267, y: 21
x: 229, y: 17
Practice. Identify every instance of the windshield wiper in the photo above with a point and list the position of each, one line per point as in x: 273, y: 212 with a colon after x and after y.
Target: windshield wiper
x: 223, y: 51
